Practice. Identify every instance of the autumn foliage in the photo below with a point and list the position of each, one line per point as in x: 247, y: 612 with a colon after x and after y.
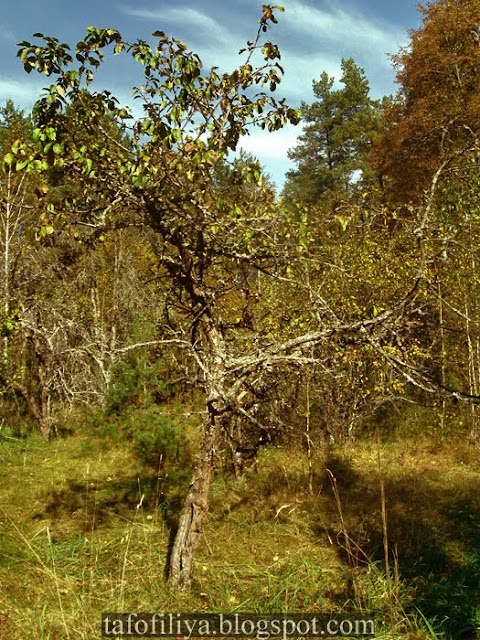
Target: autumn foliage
x: 436, y: 112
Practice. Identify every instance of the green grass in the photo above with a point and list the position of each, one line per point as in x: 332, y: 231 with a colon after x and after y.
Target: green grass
x: 85, y: 528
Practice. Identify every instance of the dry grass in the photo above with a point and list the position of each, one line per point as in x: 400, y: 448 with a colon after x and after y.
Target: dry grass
x: 85, y: 528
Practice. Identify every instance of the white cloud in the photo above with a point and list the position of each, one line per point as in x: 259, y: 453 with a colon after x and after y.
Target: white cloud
x: 271, y: 149
x: 184, y: 17
x: 333, y: 33
x: 270, y: 145
x: 335, y: 26
x: 24, y: 94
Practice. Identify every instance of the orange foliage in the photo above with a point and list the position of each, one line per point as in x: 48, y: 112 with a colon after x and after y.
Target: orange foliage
x: 436, y: 112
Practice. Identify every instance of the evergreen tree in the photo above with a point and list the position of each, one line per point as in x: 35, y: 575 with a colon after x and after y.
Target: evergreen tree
x: 331, y: 154
x: 13, y: 124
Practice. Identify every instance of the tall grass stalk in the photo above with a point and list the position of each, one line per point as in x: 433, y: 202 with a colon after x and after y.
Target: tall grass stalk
x: 57, y: 584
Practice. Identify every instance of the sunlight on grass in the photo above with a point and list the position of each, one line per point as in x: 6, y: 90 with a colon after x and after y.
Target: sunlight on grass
x: 85, y: 529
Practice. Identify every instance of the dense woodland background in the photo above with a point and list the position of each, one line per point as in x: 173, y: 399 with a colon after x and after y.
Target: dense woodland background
x: 163, y: 306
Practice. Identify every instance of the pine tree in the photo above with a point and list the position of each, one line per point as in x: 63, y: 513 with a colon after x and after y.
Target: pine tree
x: 331, y: 154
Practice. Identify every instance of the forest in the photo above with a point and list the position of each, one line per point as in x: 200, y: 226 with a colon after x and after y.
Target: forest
x: 220, y: 397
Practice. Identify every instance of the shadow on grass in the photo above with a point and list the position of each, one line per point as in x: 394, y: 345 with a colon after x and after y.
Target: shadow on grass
x: 74, y: 510
x: 433, y: 531
x: 433, y: 522
x: 78, y: 509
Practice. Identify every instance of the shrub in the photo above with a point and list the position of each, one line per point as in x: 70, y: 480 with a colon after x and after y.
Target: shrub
x: 158, y: 435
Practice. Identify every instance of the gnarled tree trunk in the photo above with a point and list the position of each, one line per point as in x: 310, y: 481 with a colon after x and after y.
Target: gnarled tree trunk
x: 194, y: 512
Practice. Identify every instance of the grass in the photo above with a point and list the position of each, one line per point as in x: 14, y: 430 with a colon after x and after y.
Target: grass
x: 85, y: 528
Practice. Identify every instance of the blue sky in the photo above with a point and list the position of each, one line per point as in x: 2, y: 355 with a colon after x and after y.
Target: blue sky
x: 313, y: 36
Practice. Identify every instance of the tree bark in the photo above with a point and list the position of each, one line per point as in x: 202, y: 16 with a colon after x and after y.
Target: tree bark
x: 39, y: 411
x: 194, y: 513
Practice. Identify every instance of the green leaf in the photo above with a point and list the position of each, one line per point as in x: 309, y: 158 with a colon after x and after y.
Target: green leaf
x: 21, y: 164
